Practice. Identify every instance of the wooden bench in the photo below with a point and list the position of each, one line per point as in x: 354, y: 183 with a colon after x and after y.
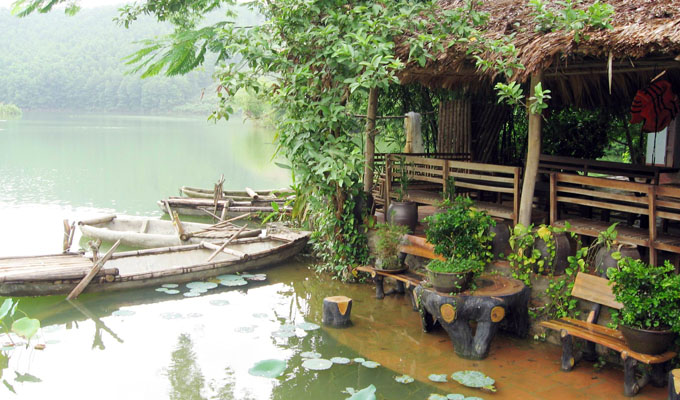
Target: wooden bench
x: 656, y: 203
x: 649, y: 173
x: 430, y: 179
x: 597, y: 290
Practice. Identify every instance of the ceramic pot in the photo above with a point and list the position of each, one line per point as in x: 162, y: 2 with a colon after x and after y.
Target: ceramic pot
x: 603, y: 256
x: 500, y: 245
x: 403, y: 213
x: 647, y: 341
x: 446, y: 282
x: 393, y: 265
x: 563, y: 249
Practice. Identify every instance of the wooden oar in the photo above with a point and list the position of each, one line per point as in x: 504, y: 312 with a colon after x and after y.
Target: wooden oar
x: 213, y: 255
x: 90, y: 275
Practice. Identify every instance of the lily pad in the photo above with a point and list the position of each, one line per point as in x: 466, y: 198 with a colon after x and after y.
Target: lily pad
x: 191, y: 294
x: 284, y: 334
x: 474, y: 398
x: 370, y: 364
x: 340, y: 360
x: 287, y: 327
x: 474, y: 379
x: 308, y: 326
x: 359, y: 360
x: 171, y: 315
x: 437, y: 377
x: 256, y: 277
x: 317, y: 364
x: 268, y: 368
x: 310, y: 354
x: 26, y: 327
x: 455, y: 396
x: 219, y: 302
x: 229, y: 277
x: 170, y: 285
x: 237, y: 282
x: 404, y: 379
x: 162, y: 289
x: 171, y: 291
x: 123, y: 313
x: 367, y: 393
x: 435, y: 396
x: 201, y: 285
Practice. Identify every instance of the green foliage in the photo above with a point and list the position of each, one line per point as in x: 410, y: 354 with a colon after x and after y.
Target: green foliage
x: 569, y: 18
x: 461, y: 232
x: 459, y: 265
x: 578, y: 133
x: 650, y: 295
x: 389, y: 238
x: 538, y: 100
x: 25, y: 327
x: 9, y: 111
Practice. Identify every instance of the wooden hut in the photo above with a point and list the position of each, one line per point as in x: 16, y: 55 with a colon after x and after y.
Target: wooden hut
x: 604, y: 67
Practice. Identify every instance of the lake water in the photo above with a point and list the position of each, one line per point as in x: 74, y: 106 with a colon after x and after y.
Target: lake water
x: 144, y: 344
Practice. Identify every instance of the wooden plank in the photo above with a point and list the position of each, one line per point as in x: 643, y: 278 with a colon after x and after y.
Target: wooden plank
x: 603, y: 204
x: 614, y: 333
x: 588, y: 227
x: 486, y: 188
x: 489, y: 178
x: 651, y: 196
x: 553, y: 198
x: 613, y: 343
x: 90, y: 275
x: 668, y: 191
x: 467, y: 165
x: 595, y: 289
x: 603, y: 182
x: 630, y: 198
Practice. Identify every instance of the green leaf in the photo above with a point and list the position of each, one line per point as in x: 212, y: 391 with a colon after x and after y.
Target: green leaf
x: 26, y: 327
x: 5, y: 307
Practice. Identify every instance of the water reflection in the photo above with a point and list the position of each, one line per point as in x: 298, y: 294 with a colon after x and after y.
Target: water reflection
x: 186, y: 378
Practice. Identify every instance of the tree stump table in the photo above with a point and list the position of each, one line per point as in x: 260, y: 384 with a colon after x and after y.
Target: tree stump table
x: 337, y: 311
x: 498, y: 302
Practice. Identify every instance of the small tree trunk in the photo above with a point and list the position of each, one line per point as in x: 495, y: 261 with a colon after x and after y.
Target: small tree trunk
x: 533, y: 153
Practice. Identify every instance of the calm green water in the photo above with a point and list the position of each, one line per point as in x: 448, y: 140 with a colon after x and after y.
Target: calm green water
x: 144, y: 344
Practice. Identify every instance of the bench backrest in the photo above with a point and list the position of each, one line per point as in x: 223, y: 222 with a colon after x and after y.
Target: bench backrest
x: 548, y: 164
x: 611, y: 194
x: 667, y: 202
x: 594, y: 289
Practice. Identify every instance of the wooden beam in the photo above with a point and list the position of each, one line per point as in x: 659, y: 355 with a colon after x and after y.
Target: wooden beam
x: 369, y: 153
x: 533, y: 153
x: 95, y: 269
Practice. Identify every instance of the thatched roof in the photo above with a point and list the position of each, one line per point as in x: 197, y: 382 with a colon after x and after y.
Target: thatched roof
x: 644, y: 40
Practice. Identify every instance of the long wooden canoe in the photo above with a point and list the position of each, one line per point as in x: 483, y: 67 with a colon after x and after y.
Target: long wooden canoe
x: 237, y: 195
x: 59, y: 274
x: 203, y: 207
x: 149, y: 232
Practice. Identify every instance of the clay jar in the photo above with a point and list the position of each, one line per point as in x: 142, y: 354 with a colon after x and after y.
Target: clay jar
x: 564, y: 247
x: 403, y: 213
x: 603, y: 256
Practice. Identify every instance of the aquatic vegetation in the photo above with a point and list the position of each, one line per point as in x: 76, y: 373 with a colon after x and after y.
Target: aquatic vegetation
x: 26, y: 327
x: 308, y: 326
x: 218, y: 302
x: 370, y: 364
x: 367, y: 393
x: 233, y: 282
x: 170, y: 285
x: 310, y: 354
x: 171, y: 315
x: 474, y: 379
x: 254, y: 277
x: 171, y: 291
x: 123, y: 313
x: 268, y: 368
x: 201, y: 285
x: 359, y: 360
x: 437, y: 377
x: 435, y: 396
x: 455, y: 396
x: 340, y: 360
x: 404, y: 379
x: 317, y: 364
x: 162, y: 289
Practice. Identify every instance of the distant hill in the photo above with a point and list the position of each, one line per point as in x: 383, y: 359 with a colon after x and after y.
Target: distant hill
x: 55, y: 62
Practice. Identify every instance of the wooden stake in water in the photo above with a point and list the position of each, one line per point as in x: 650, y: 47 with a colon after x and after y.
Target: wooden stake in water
x: 94, y: 271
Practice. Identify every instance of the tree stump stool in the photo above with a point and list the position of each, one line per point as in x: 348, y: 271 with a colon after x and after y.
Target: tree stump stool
x: 498, y: 302
x: 336, y: 311
x: 674, y: 384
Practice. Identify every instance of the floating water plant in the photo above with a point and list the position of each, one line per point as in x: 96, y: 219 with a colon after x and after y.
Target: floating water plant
x: 455, y: 396
x: 308, y: 326
x: 170, y: 285
x: 340, y: 360
x: 310, y: 354
x: 171, y: 315
x: 367, y: 393
x: 370, y: 364
x: 317, y: 364
x: 191, y: 294
x: 268, y: 368
x: 123, y: 313
x: 162, y: 289
x: 256, y: 277
x: 171, y: 291
x: 284, y: 334
x: 474, y: 379
x: 437, y: 377
x: 219, y: 302
x: 234, y: 282
x: 435, y: 396
x: 26, y: 327
x: 202, y: 285
x: 359, y: 360
x: 404, y: 379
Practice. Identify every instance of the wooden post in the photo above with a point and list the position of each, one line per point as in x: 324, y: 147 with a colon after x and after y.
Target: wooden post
x: 369, y: 152
x: 414, y: 135
x: 388, y: 184
x: 533, y: 153
x: 69, y: 231
x: 336, y: 311
x: 94, y: 271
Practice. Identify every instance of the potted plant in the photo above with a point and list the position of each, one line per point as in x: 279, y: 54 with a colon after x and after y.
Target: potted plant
x: 650, y: 317
x: 609, y: 250
x: 389, y: 238
x: 403, y: 212
x: 461, y: 234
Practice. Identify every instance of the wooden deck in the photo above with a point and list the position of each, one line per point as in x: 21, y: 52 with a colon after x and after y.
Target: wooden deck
x: 48, y: 268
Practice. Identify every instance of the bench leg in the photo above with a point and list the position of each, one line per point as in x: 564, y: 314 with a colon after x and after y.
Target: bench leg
x: 658, y: 374
x: 426, y: 319
x: 590, y: 352
x: 631, y: 384
x: 567, y: 351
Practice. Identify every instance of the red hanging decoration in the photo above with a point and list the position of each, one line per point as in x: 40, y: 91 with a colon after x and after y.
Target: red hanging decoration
x: 656, y: 105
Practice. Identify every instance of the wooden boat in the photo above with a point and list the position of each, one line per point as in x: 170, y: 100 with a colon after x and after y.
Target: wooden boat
x: 59, y: 274
x: 149, y: 232
x: 237, y: 195
x: 207, y: 207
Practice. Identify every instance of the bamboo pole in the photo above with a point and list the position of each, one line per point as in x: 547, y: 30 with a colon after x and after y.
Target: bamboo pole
x: 88, y: 314
x: 213, y: 255
x: 95, y: 269
x: 253, y: 194
x: 369, y: 153
x: 533, y: 153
